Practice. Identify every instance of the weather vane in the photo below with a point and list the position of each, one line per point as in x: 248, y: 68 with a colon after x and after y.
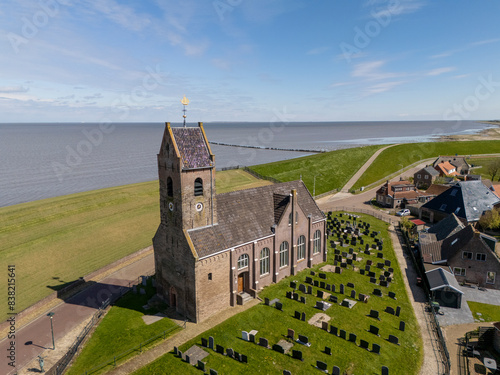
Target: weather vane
x: 185, y: 102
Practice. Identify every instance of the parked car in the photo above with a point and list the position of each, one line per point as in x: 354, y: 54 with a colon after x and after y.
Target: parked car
x: 404, y: 212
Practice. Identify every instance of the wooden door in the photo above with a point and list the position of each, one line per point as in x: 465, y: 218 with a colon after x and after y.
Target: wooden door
x: 241, y: 282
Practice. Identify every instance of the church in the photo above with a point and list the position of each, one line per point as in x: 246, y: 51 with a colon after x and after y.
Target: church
x: 215, y: 251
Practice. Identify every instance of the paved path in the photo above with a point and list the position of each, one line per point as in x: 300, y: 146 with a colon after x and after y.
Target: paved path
x: 35, y: 338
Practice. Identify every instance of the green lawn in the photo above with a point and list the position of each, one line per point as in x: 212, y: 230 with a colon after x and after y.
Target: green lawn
x: 332, y: 169
x: 390, y: 160
x: 483, y: 170
x: 483, y: 312
x: 53, y: 242
x: 121, y: 330
x: 272, y: 324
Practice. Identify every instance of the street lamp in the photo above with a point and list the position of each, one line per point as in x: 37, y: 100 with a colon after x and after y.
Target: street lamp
x: 50, y: 315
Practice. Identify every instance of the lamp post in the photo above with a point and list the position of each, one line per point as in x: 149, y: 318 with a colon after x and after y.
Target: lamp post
x: 50, y: 315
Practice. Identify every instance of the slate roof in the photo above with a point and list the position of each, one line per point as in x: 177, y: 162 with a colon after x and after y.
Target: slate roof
x: 440, y: 278
x: 446, y: 227
x: 192, y: 148
x: 467, y: 199
x: 443, y: 250
x: 436, y: 189
x: 247, y: 215
x: 429, y: 169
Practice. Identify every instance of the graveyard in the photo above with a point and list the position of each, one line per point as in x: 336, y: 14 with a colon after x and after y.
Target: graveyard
x: 350, y: 315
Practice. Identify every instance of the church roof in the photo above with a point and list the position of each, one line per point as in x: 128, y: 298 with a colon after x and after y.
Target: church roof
x: 192, y: 147
x: 247, y: 215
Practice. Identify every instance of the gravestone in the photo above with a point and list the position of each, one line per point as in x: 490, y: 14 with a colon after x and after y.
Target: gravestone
x: 373, y: 280
x: 324, y: 326
x: 302, y: 299
x: 244, y: 336
x: 237, y: 356
x: 263, y: 342
x: 321, y: 366
x: 293, y: 285
x: 389, y: 280
x: 333, y: 288
x: 204, y: 342
x: 134, y: 289
x: 349, y: 262
x: 319, y: 293
x: 313, y: 273
x: 297, y: 354
x: 211, y: 342
x: 381, y: 278
x: 354, y: 256
x: 389, y: 310
x: 367, y: 267
x: 244, y: 358
x: 230, y: 352
x: 377, y: 292
x: 336, y: 370
x: 374, y: 330
x: 286, y: 372
x: 363, y: 298
x: 213, y: 372
x: 176, y: 350
x: 385, y: 370
x: 322, y: 275
x: 352, y: 337
x: 279, y: 306
x: 353, y: 293
x: 376, y: 348
x: 291, y: 333
x: 402, y: 326
x: 341, y: 288
x: 394, y: 339
x: 316, y: 283
x: 392, y: 295
x: 387, y: 262
x: 328, y: 287
x: 362, y: 271
x: 374, y: 314
x: 278, y: 348
x: 322, y: 284
x: 179, y: 353
x: 364, y: 344
x: 288, y: 294
x: 338, y: 270
x: 380, y: 255
x: 398, y: 310
x: 328, y: 350
x: 309, y: 280
x: 334, y: 330
x: 333, y: 299
x: 303, y: 317
x: 384, y: 283
x: 201, y: 366
x: 342, y: 334
x: 350, y: 285
x: 252, y: 335
x: 380, y: 265
x: 220, y: 349
x: 304, y: 340
x: 309, y: 289
x: 302, y: 288
x: 266, y: 301
x: 295, y: 296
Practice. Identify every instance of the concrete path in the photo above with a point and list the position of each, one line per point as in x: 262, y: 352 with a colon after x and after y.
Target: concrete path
x: 35, y: 338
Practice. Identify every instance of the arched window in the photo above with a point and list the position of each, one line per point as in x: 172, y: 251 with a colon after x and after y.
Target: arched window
x: 317, y: 242
x: 198, y: 187
x: 264, y: 261
x: 243, y: 261
x: 284, y: 254
x: 290, y: 219
x: 170, y: 188
x: 301, y: 248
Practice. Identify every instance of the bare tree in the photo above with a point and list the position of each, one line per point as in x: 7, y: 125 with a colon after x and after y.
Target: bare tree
x: 493, y: 168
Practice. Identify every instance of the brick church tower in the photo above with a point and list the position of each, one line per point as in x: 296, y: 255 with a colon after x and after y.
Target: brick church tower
x: 186, y: 169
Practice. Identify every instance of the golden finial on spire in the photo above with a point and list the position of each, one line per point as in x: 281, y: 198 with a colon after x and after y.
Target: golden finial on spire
x: 185, y: 102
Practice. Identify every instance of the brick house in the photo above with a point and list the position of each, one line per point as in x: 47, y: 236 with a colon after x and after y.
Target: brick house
x: 214, y: 251
x: 425, y: 177
x: 458, y: 162
x: 398, y: 194
x: 460, y: 247
x: 446, y: 169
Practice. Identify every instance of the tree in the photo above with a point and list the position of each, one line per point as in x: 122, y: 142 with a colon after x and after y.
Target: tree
x: 493, y: 168
x: 490, y: 220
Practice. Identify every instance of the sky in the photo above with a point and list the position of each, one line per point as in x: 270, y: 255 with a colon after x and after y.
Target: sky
x: 248, y: 60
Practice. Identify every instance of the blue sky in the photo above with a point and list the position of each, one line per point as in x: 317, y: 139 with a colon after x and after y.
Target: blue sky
x: 249, y: 60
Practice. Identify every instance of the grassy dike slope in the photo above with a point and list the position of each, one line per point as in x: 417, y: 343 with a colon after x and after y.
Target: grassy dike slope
x: 55, y: 241
x: 332, y: 169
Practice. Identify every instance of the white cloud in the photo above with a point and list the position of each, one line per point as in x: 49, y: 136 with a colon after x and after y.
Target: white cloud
x: 465, y: 48
x: 318, y: 51
x: 439, y: 71
x: 122, y: 15
x: 366, y: 69
x: 383, y: 87
x: 13, y: 89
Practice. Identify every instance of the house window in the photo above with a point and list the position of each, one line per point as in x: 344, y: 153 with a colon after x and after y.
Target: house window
x: 243, y: 261
x: 459, y: 271
x: 301, y: 248
x: 170, y: 188
x: 481, y: 257
x: 457, y: 210
x: 264, y: 261
x: 453, y: 192
x: 426, y: 177
x: 490, y: 277
x: 317, y: 242
x: 198, y: 187
x: 284, y: 254
x: 443, y: 207
x: 467, y: 255
x: 418, y: 176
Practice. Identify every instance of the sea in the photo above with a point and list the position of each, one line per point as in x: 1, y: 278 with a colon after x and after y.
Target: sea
x: 43, y: 160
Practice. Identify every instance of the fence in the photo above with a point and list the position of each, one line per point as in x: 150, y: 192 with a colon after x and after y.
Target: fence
x: 378, y: 215
x: 258, y: 175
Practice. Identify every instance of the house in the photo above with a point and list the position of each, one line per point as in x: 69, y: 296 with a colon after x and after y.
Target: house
x: 446, y: 169
x: 213, y: 251
x: 460, y: 247
x: 444, y: 288
x: 398, y: 194
x: 459, y: 162
x: 436, y: 189
x: 468, y: 200
x: 425, y: 177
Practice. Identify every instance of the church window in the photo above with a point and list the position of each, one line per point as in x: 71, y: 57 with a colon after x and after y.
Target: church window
x: 198, y: 187
x: 170, y: 188
x: 317, y: 242
x: 243, y: 261
x: 301, y: 248
x: 290, y: 219
x: 296, y: 218
x: 264, y: 261
x: 284, y: 254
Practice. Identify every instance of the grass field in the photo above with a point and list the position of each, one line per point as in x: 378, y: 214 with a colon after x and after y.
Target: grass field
x: 390, y: 160
x: 272, y: 324
x: 53, y: 242
x: 332, y: 169
x: 483, y: 312
x: 483, y: 170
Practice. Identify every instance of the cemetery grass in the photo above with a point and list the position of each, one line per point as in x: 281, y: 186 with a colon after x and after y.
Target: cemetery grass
x: 273, y: 324
x: 52, y: 242
x: 390, y: 160
x: 332, y: 169
x: 488, y: 313
x: 121, y: 330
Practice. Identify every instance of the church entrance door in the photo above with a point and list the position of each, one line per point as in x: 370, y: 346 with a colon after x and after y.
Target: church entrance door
x: 241, y: 282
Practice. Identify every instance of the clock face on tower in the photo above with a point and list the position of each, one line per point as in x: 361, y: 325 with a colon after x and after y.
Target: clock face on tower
x: 171, y: 206
x: 199, y: 207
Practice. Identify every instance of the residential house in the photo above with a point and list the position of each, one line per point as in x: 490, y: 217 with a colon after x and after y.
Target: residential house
x: 398, y: 194
x: 446, y: 169
x: 466, y: 199
x: 425, y: 177
x: 459, y: 162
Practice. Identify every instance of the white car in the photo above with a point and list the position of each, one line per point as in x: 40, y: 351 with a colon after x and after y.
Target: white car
x: 404, y: 212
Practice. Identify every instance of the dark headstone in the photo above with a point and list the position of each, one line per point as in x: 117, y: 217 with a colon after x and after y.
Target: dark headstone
x: 286, y: 372
x: 362, y: 271
x: 251, y: 337
x: 322, y: 284
x: 364, y: 344
x: 293, y: 285
x: 295, y: 296
x: 279, y: 306
x: 266, y: 301
x: 309, y: 289
x: 244, y: 358
x: 263, y: 342
x: 316, y: 283
x: 377, y: 292
x: 204, y: 342
x: 385, y: 370
x: 303, y: 317
x: 230, y: 352
x: 302, y: 299
x: 176, y: 350
x: 374, y: 330
x: 322, y: 275
x: 324, y: 326
x: 309, y: 280
x: 288, y: 294
x: 390, y: 310
x: 373, y: 280
x: 380, y: 255
x: 313, y: 273
x: 303, y: 339
x: 398, y: 310
x: 201, y: 366
x: 334, y: 330
x: 394, y: 339
x: 302, y: 288
x: 350, y: 285
x: 384, y: 283
x: 342, y: 334
x: 328, y: 350
x: 333, y: 288
x: 211, y: 342
x: 278, y: 348
x: 333, y: 298
x: 321, y: 365
x: 213, y: 372
x: 374, y: 314
x: 291, y: 333
x: 336, y: 370
x: 352, y: 337
x: 387, y: 262
x: 341, y: 288
x: 402, y: 325
x: 328, y: 287
x: 353, y: 294
x: 319, y: 293
x: 220, y: 349
x: 392, y: 295
x: 376, y: 348
x: 297, y: 354
x: 179, y: 353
